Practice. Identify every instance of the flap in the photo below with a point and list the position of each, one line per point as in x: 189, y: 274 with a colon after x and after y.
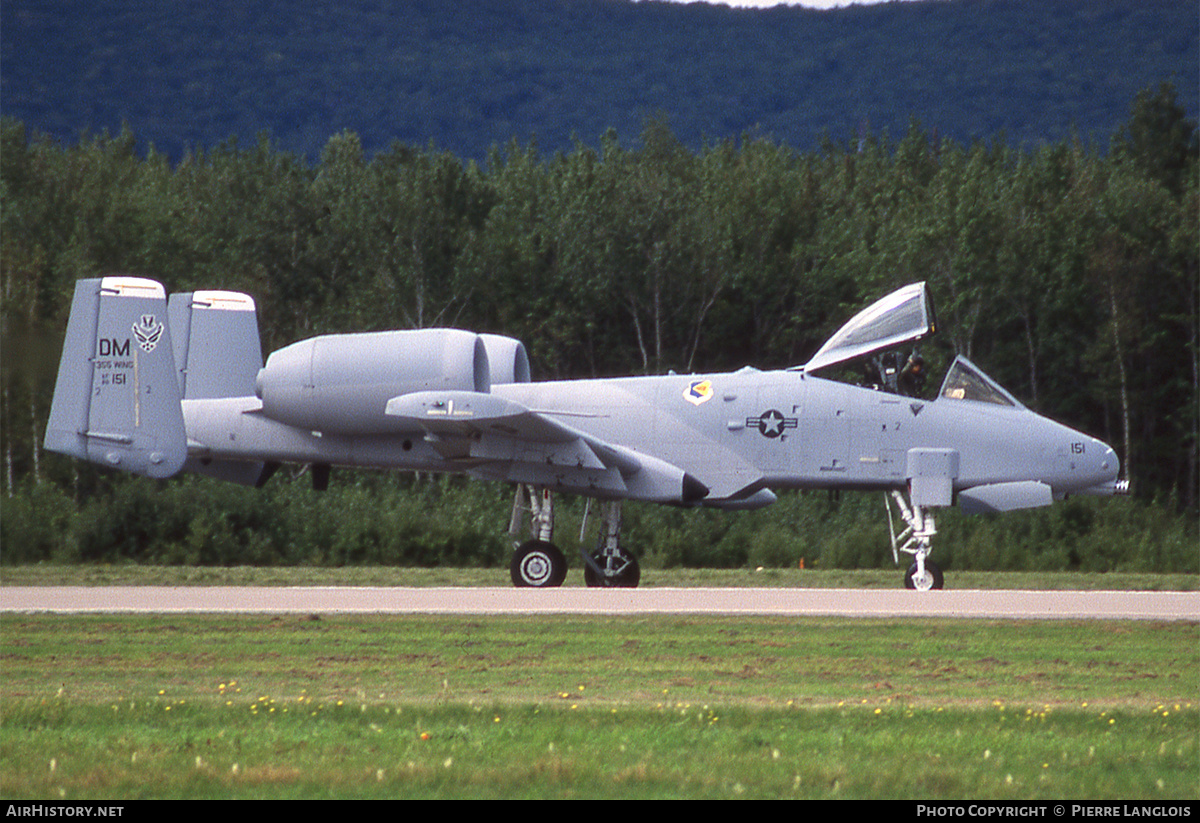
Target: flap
x: 463, y: 414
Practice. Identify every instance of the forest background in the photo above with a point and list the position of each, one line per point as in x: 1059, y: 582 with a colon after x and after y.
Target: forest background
x: 1068, y: 272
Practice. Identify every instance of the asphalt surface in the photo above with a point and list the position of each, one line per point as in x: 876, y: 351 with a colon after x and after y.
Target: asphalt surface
x: 989, y: 604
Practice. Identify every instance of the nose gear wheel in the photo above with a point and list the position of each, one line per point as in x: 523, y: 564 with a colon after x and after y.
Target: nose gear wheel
x: 930, y: 578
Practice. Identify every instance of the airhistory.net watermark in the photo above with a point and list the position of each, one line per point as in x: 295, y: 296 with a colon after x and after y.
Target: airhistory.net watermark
x: 61, y: 810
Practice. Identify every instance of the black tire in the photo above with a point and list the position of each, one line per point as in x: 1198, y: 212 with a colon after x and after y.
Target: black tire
x: 538, y: 565
x: 933, y: 578
x: 628, y: 578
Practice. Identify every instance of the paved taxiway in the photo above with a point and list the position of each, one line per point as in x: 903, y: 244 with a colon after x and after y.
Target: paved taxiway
x: 994, y: 604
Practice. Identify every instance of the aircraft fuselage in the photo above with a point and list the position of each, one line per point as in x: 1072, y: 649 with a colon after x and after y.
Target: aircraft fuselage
x: 735, y: 432
x: 784, y: 429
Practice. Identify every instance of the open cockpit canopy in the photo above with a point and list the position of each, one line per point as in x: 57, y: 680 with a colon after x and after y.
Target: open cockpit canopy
x: 904, y: 316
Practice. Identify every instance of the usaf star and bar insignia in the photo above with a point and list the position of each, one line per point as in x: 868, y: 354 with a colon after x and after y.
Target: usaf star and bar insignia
x: 772, y: 423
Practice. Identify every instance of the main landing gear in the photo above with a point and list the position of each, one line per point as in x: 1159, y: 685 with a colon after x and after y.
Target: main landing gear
x: 538, y: 563
x: 922, y: 575
x: 609, y: 566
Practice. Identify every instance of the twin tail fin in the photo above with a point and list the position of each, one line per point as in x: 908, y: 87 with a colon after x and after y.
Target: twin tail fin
x: 129, y: 360
x: 116, y: 401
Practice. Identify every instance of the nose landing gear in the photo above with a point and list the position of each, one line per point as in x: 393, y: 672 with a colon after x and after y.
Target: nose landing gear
x: 916, y: 539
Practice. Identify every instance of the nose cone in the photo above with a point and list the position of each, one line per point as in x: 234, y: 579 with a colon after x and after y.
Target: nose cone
x: 1109, y: 466
x: 1109, y: 469
x: 1098, y: 469
x: 1082, y: 464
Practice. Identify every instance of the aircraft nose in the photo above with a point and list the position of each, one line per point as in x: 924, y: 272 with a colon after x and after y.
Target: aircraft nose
x: 1086, y: 464
x: 1101, y: 472
x: 1095, y: 461
x: 1110, y: 465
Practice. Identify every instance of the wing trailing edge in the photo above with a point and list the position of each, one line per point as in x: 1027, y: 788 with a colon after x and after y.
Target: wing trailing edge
x: 534, y: 448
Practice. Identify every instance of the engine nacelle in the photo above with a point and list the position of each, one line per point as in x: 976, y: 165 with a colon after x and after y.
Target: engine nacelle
x: 508, y: 359
x: 341, y: 383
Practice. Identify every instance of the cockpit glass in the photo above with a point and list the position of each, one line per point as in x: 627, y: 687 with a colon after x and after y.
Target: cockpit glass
x: 965, y: 381
x: 904, y: 316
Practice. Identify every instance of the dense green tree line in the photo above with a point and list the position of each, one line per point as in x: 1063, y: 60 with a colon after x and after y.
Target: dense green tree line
x: 392, y: 520
x: 1069, y: 275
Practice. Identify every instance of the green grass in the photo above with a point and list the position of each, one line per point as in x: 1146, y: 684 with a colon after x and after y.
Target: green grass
x: 532, y: 751
x: 412, y: 706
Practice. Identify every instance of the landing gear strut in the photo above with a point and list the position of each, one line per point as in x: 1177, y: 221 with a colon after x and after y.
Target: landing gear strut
x: 916, y: 540
x: 610, y: 566
x: 538, y: 563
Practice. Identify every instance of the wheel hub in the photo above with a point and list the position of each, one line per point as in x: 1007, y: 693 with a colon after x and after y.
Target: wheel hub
x: 536, y: 567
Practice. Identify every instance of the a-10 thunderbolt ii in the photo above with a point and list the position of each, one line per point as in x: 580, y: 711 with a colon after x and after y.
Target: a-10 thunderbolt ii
x: 156, y: 387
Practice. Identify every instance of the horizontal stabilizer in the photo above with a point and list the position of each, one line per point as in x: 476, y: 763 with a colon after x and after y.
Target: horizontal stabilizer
x: 242, y: 472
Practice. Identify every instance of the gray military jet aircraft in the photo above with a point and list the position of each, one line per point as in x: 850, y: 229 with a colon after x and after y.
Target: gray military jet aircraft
x: 157, y: 387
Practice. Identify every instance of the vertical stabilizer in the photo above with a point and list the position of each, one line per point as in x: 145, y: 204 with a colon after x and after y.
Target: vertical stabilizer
x: 217, y: 354
x: 217, y: 350
x: 116, y: 401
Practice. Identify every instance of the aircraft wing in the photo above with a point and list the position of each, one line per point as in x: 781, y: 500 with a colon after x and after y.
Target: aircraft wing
x: 904, y: 316
x: 499, y: 438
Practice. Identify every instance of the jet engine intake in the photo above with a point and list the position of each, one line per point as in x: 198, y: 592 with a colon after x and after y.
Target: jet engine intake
x: 340, y: 384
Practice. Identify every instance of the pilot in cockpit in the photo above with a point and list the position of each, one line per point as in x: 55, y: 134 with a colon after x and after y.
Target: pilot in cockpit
x: 883, y: 373
x: 912, y: 377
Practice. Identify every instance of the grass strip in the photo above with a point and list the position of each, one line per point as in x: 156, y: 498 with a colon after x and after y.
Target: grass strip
x: 416, y: 706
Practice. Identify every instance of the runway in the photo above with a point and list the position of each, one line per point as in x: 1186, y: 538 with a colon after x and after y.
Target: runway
x: 849, y: 603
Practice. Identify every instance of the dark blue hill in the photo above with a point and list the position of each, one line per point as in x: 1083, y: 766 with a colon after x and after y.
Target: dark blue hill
x: 470, y: 75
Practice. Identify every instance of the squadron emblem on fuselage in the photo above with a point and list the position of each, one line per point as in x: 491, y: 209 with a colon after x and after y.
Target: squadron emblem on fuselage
x: 698, y: 391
